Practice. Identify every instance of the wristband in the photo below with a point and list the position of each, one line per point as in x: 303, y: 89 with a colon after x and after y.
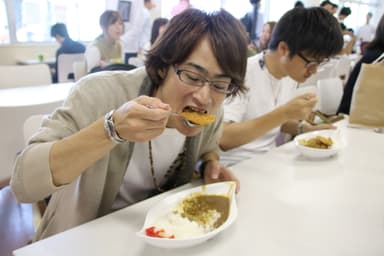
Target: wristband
x: 200, y: 167
x: 110, y: 129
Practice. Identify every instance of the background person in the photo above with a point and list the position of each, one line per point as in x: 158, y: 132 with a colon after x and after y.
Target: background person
x: 302, y: 40
x: 366, y: 33
x: 67, y: 45
x: 158, y: 28
x: 265, y: 36
x: 138, y: 30
x: 115, y: 142
x: 107, y: 48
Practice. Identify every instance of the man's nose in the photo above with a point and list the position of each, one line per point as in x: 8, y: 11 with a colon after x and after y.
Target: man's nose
x: 203, y: 94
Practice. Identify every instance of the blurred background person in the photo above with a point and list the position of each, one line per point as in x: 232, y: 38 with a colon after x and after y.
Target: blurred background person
x: 349, y: 37
x: 67, y: 45
x: 180, y: 7
x: 138, y: 30
x: 253, y: 22
x: 366, y: 33
x: 373, y: 50
x: 107, y: 48
x: 327, y: 5
x: 265, y: 36
x: 299, y: 4
x: 158, y: 28
x: 334, y: 8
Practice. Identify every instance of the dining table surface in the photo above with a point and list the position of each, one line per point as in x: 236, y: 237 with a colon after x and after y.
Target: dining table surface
x: 34, y: 95
x: 288, y: 205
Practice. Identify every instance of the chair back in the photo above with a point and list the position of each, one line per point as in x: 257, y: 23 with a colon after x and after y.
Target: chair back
x: 24, y: 75
x: 65, y: 66
x: 79, y: 69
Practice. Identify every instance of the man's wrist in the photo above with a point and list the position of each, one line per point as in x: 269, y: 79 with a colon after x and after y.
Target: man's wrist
x: 110, y: 129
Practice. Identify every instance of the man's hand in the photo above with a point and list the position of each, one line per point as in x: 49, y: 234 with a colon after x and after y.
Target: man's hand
x: 216, y: 172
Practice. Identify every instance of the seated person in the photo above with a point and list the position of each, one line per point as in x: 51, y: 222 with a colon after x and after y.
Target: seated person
x: 115, y: 140
x: 158, y: 28
x: 67, y: 45
x: 252, y: 122
x: 107, y: 48
x: 265, y: 36
x: 373, y: 50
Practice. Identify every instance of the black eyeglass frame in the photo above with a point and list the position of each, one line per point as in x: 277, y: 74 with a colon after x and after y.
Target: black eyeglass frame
x: 202, y: 81
x: 311, y: 64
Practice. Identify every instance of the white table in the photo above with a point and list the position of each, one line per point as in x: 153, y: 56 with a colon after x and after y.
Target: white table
x: 288, y: 205
x: 16, y: 105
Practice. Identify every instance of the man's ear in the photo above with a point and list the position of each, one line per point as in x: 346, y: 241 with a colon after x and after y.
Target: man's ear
x: 283, y: 51
x: 162, y: 73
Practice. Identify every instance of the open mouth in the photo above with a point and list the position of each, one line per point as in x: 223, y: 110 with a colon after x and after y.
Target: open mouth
x: 197, y: 116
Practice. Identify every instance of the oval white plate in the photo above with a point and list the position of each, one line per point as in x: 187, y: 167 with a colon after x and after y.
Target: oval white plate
x: 316, y: 152
x: 170, y: 203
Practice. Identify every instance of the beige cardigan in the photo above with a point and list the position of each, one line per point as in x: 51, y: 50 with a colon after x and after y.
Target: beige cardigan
x: 91, y: 195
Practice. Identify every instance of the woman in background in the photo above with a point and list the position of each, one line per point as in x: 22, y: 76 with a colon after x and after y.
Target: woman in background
x: 158, y: 28
x: 373, y: 51
x: 107, y: 48
x: 265, y: 36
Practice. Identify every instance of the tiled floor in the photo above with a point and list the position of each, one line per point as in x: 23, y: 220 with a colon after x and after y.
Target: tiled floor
x: 16, y: 222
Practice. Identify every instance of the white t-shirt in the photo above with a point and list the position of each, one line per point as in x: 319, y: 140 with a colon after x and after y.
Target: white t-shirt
x: 366, y: 32
x: 264, y: 95
x: 138, y: 178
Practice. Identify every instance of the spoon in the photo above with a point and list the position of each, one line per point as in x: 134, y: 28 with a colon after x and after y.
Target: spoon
x: 186, y: 121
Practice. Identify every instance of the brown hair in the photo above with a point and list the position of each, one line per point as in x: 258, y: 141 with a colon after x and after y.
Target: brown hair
x: 184, y: 33
x: 108, y: 18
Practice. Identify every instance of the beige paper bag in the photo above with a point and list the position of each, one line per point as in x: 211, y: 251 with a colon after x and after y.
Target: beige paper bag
x: 367, y: 106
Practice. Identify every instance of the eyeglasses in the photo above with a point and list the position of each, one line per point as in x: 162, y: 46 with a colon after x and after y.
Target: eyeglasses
x: 195, y: 79
x: 311, y: 64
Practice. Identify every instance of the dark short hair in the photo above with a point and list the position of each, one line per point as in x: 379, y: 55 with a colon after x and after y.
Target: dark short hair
x: 108, y: 18
x: 313, y: 30
x: 345, y: 11
x: 59, y: 29
x: 186, y: 30
x: 157, y: 23
x: 324, y: 3
x: 299, y: 4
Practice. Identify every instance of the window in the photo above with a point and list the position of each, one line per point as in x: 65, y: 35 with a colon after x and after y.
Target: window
x: 34, y: 18
x: 4, y: 30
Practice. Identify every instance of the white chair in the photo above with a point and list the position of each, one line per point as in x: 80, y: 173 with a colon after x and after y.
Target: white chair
x: 65, y: 66
x: 79, y: 69
x: 24, y: 75
x: 330, y: 92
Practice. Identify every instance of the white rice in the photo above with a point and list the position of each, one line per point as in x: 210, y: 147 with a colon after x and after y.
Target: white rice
x: 180, y: 227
